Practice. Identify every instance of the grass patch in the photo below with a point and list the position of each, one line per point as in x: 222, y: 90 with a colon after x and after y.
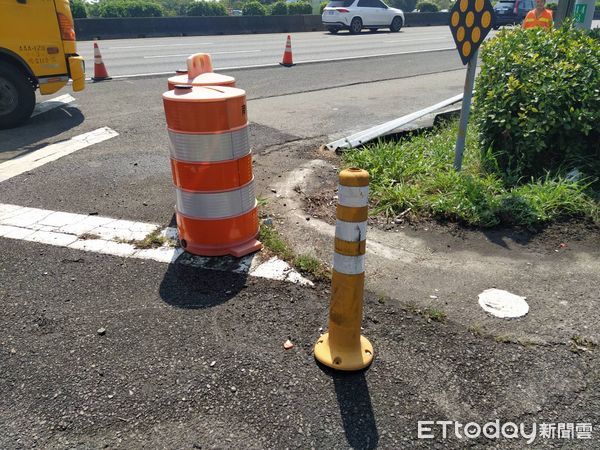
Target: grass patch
x: 417, y: 174
x: 524, y: 342
x: 271, y: 239
x: 153, y: 240
x: 581, y: 344
x: 306, y: 264
x: 311, y: 265
x: 475, y: 329
x: 430, y: 314
x: 437, y: 315
x: 89, y: 236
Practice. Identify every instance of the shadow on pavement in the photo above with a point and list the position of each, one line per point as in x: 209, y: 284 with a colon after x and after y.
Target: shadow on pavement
x: 356, y: 410
x: 504, y: 236
x: 32, y: 136
x: 190, y: 287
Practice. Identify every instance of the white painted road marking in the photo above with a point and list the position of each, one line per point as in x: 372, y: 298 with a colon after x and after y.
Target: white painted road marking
x: 310, y: 61
x: 53, y: 152
x: 116, y: 237
x: 503, y: 304
x: 162, y: 45
x: 211, y: 53
x: 47, y: 105
x: 405, y: 41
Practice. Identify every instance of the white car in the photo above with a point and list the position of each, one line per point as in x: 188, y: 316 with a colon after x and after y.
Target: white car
x: 355, y: 15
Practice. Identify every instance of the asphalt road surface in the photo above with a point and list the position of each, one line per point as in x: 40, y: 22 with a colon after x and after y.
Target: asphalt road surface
x: 164, y: 55
x: 99, y: 349
x: 158, y: 55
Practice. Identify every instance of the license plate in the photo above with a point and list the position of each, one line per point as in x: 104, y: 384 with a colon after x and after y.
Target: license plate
x: 330, y: 12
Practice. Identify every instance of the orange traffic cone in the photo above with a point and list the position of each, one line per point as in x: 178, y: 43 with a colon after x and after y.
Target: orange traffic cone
x: 287, y: 55
x: 100, y: 72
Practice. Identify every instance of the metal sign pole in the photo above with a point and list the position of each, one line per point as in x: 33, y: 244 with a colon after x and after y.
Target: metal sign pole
x: 464, y: 112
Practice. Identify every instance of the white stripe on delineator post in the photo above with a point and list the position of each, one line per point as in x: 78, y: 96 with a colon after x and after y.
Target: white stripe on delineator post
x: 353, y: 196
x: 349, y: 265
x: 350, y: 231
x: 38, y: 158
x: 47, y: 105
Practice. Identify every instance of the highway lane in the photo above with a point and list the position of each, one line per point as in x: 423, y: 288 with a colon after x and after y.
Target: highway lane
x: 126, y: 57
x: 162, y: 55
x: 337, y: 98
x: 308, y: 105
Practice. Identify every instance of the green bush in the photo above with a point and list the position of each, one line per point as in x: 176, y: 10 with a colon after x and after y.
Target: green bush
x: 297, y: 8
x: 552, y: 6
x: 427, y: 7
x: 443, y: 4
x: 404, y: 5
x: 279, y: 9
x: 175, y: 7
x: 254, y: 8
x: 322, y: 6
x: 129, y: 8
x: 415, y: 178
x: 537, y: 102
x: 78, y: 9
x: 93, y: 9
x: 206, y: 8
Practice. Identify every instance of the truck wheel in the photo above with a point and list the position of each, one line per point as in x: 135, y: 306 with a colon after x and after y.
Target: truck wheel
x: 17, y: 96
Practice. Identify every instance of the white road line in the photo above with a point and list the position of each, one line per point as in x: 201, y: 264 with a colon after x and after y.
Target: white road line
x: 439, y: 38
x: 211, y: 53
x: 161, y: 45
x: 47, y: 105
x: 310, y: 61
x: 118, y: 237
x: 53, y: 152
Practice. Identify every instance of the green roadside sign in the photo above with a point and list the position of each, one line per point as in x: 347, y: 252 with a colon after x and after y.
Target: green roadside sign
x: 579, y: 12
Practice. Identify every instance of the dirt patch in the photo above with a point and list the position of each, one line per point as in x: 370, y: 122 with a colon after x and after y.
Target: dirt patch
x: 563, y: 236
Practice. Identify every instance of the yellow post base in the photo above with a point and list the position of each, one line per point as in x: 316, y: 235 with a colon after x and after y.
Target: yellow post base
x: 341, y: 358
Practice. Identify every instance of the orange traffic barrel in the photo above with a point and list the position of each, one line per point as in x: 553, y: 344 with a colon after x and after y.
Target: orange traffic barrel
x: 211, y: 163
x: 200, y: 73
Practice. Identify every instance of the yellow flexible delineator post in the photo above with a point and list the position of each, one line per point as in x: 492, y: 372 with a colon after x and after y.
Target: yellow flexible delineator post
x: 343, y: 347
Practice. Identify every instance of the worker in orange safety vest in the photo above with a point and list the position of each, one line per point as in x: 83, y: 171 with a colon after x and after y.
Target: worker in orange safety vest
x: 538, y: 17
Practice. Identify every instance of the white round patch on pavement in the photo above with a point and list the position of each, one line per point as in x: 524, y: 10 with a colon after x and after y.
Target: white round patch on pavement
x: 503, y: 304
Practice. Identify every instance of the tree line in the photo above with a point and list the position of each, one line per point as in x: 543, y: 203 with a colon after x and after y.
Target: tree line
x: 173, y: 8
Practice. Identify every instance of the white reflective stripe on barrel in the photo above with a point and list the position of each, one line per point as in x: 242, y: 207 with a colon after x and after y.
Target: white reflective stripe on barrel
x: 209, y: 147
x: 353, y: 196
x: 215, y: 205
x: 349, y: 265
x: 351, y: 231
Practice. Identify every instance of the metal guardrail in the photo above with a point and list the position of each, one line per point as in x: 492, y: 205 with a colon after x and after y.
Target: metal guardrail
x: 141, y: 27
x: 365, y: 136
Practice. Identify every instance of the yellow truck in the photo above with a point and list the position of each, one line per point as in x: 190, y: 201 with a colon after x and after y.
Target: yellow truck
x: 37, y: 50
